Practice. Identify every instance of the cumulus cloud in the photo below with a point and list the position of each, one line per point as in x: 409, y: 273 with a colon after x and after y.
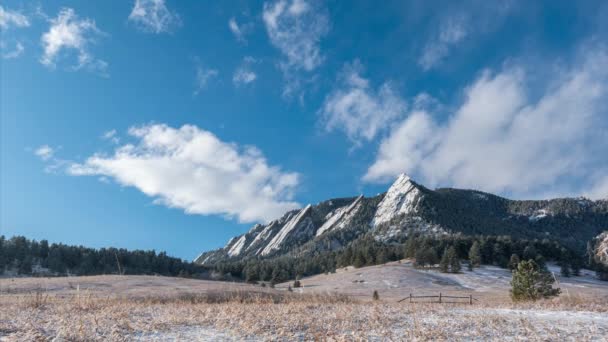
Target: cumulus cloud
x: 153, y: 16
x: 452, y: 31
x: 44, y: 152
x: 192, y: 169
x: 10, y: 18
x: 203, y: 76
x: 68, y: 32
x: 358, y: 110
x: 509, y: 137
x: 296, y: 28
x: 244, y: 74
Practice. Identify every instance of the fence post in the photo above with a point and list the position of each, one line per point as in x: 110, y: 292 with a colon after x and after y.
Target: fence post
x: 471, y: 299
x: 439, y: 297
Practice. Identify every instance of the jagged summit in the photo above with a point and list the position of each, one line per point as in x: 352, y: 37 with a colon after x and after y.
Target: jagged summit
x: 401, y: 198
x: 408, y: 207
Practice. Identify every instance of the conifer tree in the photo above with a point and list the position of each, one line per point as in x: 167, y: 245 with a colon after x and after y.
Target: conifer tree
x: 474, y: 256
x: 444, y: 264
x: 531, y: 282
x: 513, y: 261
x: 454, y: 260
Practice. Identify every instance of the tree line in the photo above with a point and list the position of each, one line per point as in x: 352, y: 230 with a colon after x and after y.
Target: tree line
x: 426, y: 251
x: 19, y: 255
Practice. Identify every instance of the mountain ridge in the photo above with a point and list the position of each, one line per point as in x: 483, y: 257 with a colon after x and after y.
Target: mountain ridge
x: 408, y: 207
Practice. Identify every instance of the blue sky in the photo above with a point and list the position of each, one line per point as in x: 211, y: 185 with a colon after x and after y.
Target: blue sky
x: 173, y: 125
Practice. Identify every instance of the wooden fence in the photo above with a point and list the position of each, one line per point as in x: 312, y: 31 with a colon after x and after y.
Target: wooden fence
x: 441, y: 299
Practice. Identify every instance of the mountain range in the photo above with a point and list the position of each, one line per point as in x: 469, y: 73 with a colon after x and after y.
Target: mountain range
x: 408, y: 207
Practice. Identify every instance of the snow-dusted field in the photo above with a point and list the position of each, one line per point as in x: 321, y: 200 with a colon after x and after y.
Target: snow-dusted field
x: 140, y: 308
x: 397, y: 280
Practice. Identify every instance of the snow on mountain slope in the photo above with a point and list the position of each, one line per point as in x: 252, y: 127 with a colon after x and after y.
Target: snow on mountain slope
x: 277, y: 241
x: 340, y: 217
x: 238, y: 246
x: 402, y: 198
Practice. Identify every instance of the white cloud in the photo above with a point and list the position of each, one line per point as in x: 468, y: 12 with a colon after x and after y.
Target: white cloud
x: 154, y: 16
x: 111, y: 136
x: 44, y: 152
x: 68, y: 32
x: 509, y: 137
x: 243, y: 74
x: 239, y: 31
x: 14, y: 53
x: 203, y: 76
x: 192, y: 169
x: 357, y: 109
x: 296, y: 28
x: 452, y: 31
x: 9, y: 18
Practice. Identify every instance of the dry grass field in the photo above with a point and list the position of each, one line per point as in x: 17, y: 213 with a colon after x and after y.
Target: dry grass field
x: 328, y: 307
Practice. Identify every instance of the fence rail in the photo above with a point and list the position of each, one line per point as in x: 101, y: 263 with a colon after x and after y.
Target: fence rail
x: 441, y: 299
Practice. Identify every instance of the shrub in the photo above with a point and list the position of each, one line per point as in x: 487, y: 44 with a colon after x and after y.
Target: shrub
x: 376, y: 296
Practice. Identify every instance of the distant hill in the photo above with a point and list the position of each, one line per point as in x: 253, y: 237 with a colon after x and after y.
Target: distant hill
x: 407, y: 208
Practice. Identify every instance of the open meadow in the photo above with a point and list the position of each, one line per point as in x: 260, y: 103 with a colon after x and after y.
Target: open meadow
x: 335, y: 307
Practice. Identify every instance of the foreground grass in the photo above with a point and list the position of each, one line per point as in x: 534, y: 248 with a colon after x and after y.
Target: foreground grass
x: 276, y: 316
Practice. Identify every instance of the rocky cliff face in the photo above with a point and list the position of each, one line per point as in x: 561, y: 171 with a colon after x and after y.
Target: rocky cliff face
x: 408, y: 207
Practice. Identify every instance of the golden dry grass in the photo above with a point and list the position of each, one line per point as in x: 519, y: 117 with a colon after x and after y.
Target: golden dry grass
x: 85, y: 316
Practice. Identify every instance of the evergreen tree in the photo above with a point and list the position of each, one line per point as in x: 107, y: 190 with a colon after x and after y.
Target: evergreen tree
x: 454, y: 260
x: 531, y: 282
x: 410, y: 247
x: 375, y: 295
x: 513, y: 261
x: 474, y: 256
x: 444, y: 264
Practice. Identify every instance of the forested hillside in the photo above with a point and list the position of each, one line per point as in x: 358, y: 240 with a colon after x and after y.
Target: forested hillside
x: 21, y: 256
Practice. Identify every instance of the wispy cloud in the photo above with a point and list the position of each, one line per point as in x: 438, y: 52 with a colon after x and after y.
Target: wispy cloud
x: 358, y: 110
x: 296, y: 28
x: 244, y: 73
x: 10, y: 18
x: 239, y: 30
x: 45, y: 152
x: 452, y: 31
x: 203, y: 76
x: 68, y: 32
x: 111, y: 136
x: 458, y: 24
x: 192, y: 169
x: 154, y: 16
x: 504, y: 139
x: 12, y: 53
